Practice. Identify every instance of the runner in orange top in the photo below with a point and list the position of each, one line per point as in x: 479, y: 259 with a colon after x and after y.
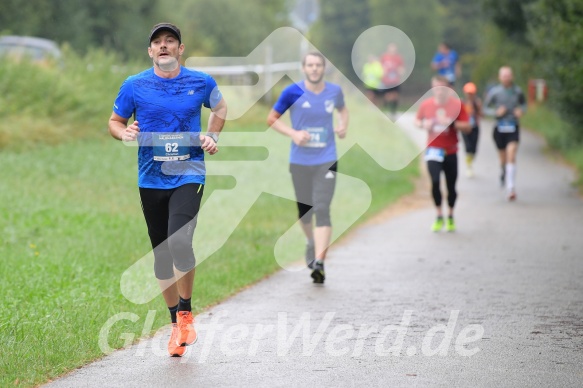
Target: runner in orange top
x: 473, y: 105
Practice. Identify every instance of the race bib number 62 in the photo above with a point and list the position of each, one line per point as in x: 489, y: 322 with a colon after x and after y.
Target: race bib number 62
x: 171, y: 146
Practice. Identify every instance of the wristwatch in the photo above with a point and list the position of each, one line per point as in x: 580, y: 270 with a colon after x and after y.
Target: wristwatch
x: 213, y: 136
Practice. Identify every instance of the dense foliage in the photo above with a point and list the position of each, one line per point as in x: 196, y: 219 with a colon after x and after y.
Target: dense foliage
x: 539, y: 38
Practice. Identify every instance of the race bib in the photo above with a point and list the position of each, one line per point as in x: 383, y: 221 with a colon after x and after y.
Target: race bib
x: 318, y: 137
x: 434, y: 154
x: 171, y: 146
x: 450, y: 76
x: 506, y: 126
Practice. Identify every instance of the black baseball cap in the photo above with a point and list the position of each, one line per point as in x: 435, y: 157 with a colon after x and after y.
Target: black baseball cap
x: 165, y: 27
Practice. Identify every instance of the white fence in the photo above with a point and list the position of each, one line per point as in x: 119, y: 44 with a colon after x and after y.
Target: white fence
x: 251, y: 74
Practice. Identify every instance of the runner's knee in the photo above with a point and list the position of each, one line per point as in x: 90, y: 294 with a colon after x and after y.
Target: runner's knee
x: 451, y: 198
x: 322, y: 212
x: 180, y: 245
x: 436, y: 194
x: 163, y: 265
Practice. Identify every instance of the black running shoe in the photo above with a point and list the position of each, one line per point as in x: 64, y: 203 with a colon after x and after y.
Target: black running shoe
x: 310, y: 255
x: 318, y: 273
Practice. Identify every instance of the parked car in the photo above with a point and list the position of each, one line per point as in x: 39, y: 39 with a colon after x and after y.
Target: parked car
x: 38, y: 50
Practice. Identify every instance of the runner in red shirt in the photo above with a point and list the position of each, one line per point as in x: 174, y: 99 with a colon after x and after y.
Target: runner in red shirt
x: 393, y: 70
x: 442, y: 116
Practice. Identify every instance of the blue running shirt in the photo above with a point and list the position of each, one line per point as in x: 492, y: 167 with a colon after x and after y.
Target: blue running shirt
x: 452, y: 58
x: 169, y: 115
x: 314, y: 113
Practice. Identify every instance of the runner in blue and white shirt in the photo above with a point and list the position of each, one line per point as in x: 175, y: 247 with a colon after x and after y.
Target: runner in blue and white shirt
x: 446, y: 63
x: 313, y: 157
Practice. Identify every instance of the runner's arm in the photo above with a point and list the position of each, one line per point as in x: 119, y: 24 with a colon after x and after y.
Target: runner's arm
x: 423, y: 122
x: 215, y: 125
x: 462, y: 126
x: 426, y: 124
x: 489, y: 107
x: 520, y: 110
x: 401, y: 68
x: 217, y: 117
x: 435, y: 63
x: 119, y: 129
x: 462, y: 122
x: 298, y: 137
x: 342, y: 126
x: 479, y: 111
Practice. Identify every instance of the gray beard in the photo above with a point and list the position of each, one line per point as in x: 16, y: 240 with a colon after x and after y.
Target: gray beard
x: 168, y: 65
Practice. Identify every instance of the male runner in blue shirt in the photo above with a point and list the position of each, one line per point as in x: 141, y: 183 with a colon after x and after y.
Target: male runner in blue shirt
x: 446, y: 63
x: 166, y: 102
x: 313, y: 158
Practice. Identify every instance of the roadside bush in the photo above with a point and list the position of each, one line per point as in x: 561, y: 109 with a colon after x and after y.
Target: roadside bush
x: 50, y: 104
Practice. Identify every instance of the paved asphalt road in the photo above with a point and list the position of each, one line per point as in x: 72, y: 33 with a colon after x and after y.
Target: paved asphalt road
x: 499, y: 303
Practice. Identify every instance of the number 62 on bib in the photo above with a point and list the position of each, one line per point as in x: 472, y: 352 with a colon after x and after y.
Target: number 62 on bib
x: 171, y: 146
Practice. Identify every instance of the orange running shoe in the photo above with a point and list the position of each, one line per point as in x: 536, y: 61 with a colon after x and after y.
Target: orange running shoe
x: 187, y: 335
x: 173, y: 348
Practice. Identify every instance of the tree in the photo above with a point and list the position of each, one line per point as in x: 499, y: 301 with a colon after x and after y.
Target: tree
x: 509, y: 16
x: 424, y: 26
x: 464, y: 23
x: 19, y: 17
x: 228, y: 27
x: 340, y: 24
x: 120, y: 25
x: 556, y: 33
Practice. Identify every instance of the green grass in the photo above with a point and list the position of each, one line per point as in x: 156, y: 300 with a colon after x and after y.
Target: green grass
x: 52, y: 104
x: 71, y: 225
x: 558, y: 134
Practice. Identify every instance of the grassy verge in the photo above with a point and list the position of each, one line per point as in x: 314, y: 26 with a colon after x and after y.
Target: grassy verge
x: 49, y: 105
x: 549, y: 124
x: 71, y: 225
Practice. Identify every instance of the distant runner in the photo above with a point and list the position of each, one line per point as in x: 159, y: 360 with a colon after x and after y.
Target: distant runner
x: 372, y: 75
x: 442, y: 116
x: 473, y: 105
x: 313, y: 159
x: 393, y: 70
x: 446, y: 63
x: 506, y: 102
